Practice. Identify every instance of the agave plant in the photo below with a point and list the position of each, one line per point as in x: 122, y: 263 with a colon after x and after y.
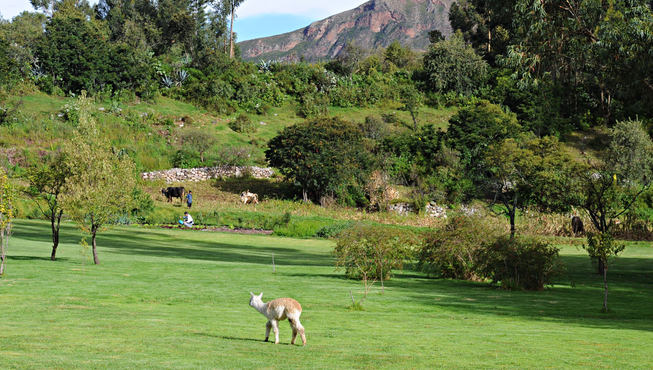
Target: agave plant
x: 167, y: 81
x: 182, y: 75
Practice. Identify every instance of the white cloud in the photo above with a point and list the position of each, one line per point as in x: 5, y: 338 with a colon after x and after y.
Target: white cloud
x: 307, y: 8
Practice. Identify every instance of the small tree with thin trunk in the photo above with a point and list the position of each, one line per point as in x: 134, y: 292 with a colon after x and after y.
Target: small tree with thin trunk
x: 6, y: 216
x: 603, y: 247
x: 100, y: 188
x: 412, y: 100
x: 47, y: 184
x: 198, y: 140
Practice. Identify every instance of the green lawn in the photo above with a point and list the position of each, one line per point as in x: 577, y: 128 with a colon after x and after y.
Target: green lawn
x: 170, y: 298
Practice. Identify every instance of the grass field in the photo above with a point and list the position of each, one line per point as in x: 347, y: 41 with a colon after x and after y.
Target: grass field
x: 172, y: 298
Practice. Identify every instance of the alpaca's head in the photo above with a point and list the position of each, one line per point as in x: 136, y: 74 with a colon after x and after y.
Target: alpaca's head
x: 255, y: 299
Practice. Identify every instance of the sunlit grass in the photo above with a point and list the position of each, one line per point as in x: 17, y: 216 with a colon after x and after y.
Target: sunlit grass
x: 171, y: 298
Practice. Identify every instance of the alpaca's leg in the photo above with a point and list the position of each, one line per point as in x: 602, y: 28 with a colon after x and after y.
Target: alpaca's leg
x: 268, y: 326
x: 275, y: 328
x: 293, y: 326
x: 300, y: 329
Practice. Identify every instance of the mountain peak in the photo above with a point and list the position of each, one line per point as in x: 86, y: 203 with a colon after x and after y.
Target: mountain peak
x: 374, y: 24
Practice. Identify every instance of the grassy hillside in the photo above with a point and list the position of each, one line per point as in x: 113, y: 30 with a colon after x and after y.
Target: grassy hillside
x: 151, y: 130
x: 180, y: 299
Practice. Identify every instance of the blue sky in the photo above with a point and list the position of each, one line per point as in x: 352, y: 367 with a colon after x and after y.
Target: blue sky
x: 254, y: 18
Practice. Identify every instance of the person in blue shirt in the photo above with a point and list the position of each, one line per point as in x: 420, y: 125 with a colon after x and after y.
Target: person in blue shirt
x: 189, y: 199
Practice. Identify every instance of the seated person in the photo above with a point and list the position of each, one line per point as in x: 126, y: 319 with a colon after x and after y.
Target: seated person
x: 188, y: 220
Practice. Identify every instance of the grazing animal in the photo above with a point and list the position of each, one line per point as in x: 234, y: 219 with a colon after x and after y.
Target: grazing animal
x: 577, y: 225
x: 246, y: 197
x: 278, y: 310
x: 173, y: 192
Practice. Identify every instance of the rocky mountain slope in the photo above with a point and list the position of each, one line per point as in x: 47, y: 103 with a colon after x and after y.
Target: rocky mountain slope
x: 377, y: 23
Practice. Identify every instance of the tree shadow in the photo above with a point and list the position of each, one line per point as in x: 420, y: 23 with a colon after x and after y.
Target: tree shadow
x: 575, y: 298
x: 33, y: 258
x: 264, y: 188
x: 169, y: 245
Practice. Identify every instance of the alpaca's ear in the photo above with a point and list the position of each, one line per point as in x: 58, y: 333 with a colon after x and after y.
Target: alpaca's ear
x: 260, y: 295
x: 252, y: 294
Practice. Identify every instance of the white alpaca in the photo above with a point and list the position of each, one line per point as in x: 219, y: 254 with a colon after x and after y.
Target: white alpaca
x: 278, y: 310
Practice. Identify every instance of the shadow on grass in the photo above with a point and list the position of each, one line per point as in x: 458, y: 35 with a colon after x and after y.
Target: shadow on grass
x: 229, y: 338
x: 630, y: 296
x: 33, y: 258
x: 156, y: 244
x: 264, y: 188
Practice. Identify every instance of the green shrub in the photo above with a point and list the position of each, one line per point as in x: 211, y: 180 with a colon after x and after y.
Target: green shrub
x: 452, y: 251
x: 371, y: 252
x: 242, y: 124
x: 313, y: 105
x: 519, y: 263
x: 333, y: 230
x: 185, y: 158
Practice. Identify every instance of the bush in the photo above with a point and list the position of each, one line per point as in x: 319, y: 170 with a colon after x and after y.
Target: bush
x: 519, y: 263
x: 242, y: 124
x: 333, y: 230
x: 233, y: 156
x: 452, y: 252
x: 371, y: 252
x: 187, y: 159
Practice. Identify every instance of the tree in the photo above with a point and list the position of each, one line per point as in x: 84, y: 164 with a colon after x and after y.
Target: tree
x: 486, y: 24
x: 73, y: 53
x: 606, y: 190
x: 527, y: 172
x: 398, y: 56
x: 198, y: 140
x: 48, y: 183
x: 595, y: 53
x: 412, y: 100
x: 6, y: 217
x: 603, y: 247
x: 451, y: 65
x: 371, y: 252
x: 348, y: 60
x: 100, y: 189
x: 474, y: 128
x: 232, y: 5
x: 320, y: 156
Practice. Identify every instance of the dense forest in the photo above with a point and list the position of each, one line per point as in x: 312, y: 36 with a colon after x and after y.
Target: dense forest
x: 551, y: 104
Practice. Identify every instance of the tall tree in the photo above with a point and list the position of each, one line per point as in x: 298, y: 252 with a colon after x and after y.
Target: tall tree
x: 100, y: 189
x: 596, y: 53
x: 486, y: 24
x: 48, y: 183
x: 232, y: 5
x: 452, y: 65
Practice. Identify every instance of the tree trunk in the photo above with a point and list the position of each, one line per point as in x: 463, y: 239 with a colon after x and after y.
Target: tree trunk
x: 512, y: 225
x: 2, y: 251
x: 601, y: 267
x: 605, y: 289
x: 55, y: 223
x: 231, y: 33
x: 305, y: 195
x: 94, y: 246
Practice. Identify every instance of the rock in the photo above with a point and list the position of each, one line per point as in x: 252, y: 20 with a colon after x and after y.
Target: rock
x: 206, y: 173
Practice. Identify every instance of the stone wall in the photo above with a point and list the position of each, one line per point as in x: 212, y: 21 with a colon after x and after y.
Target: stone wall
x: 205, y: 173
